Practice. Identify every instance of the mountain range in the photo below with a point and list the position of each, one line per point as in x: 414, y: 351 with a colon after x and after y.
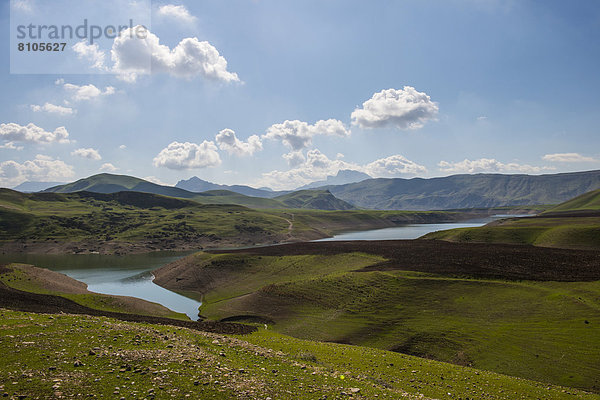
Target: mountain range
x: 466, y: 191
x: 451, y: 192
x: 110, y: 183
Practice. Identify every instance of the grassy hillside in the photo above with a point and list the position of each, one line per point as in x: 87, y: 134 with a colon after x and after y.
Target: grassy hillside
x: 133, y: 221
x: 546, y: 331
x: 572, y: 224
x: 122, y: 222
x: 314, y: 199
x: 466, y: 191
x: 586, y: 202
x: 115, y: 359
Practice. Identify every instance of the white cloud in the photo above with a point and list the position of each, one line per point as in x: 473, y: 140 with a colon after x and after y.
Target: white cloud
x: 317, y: 166
x: 90, y: 53
x: 89, y: 153
x: 11, y: 146
x: 134, y: 54
x: 227, y: 141
x: 122, y: 147
x: 488, y: 165
x: 42, y: 168
x: 482, y: 118
x: 22, y: 5
x: 298, y: 134
x: 400, y: 108
x: 108, y: 167
x: 393, y: 166
x: 294, y: 158
x: 187, y: 155
x: 568, y: 157
x: 33, y: 134
x: 53, y: 109
x: 176, y: 12
x: 156, y: 180
x: 87, y: 92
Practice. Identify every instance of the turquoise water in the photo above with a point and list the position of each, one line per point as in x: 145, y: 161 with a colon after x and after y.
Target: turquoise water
x: 128, y: 275
x: 405, y: 232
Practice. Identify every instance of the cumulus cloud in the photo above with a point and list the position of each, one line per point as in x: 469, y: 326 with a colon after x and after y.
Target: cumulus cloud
x: 87, y: 92
x: 187, y: 155
x: 294, y: 158
x: 90, y: 53
x: 400, y: 108
x: 317, y: 166
x: 298, y: 134
x: 179, y: 13
x: 488, y: 165
x: 108, y: 167
x: 568, y: 157
x: 89, y: 153
x: 122, y: 147
x: 53, y: 109
x: 227, y: 141
x: 42, y: 169
x: 136, y: 54
x: 393, y: 166
x: 32, y: 133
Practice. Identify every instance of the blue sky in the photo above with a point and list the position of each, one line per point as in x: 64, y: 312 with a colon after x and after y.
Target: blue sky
x: 401, y: 89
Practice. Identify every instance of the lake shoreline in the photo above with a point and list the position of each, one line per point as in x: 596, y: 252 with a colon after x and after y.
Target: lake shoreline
x: 113, y: 247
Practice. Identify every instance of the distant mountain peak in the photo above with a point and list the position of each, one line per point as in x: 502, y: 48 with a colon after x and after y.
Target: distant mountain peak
x: 343, y: 177
x: 198, y: 185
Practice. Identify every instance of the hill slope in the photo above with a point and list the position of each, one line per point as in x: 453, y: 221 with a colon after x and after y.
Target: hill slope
x: 117, y: 359
x: 586, y: 202
x: 493, y: 307
x: 466, y: 191
x: 314, y: 199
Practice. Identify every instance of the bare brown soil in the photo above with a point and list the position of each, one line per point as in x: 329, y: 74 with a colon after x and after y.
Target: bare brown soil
x: 480, y: 260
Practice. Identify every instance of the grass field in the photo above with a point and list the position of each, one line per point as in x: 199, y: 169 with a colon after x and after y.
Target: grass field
x: 546, y: 331
x: 66, y: 356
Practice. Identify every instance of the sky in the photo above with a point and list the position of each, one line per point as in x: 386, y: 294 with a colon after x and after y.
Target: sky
x: 280, y: 93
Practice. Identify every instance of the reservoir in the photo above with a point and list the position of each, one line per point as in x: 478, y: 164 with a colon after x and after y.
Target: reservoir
x: 130, y: 275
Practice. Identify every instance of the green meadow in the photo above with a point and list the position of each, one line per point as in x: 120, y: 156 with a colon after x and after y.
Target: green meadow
x: 544, y: 331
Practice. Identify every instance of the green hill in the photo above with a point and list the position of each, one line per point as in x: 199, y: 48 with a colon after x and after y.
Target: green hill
x: 314, y: 199
x: 110, y: 183
x: 110, y: 358
x: 586, y: 202
x: 124, y: 222
x: 573, y: 224
x: 536, y: 329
